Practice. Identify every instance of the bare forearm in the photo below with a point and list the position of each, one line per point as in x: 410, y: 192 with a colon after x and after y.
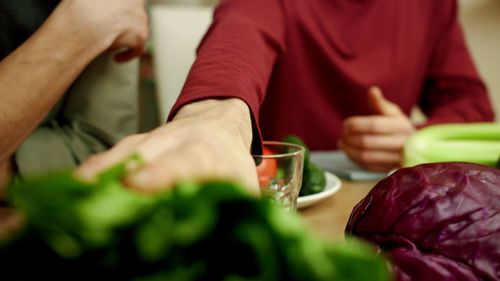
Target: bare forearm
x: 6, y: 171
x: 35, y: 76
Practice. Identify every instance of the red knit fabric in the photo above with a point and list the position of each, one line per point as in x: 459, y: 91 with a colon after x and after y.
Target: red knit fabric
x: 303, y: 66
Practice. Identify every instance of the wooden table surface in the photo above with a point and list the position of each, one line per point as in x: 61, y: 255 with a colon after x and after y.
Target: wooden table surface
x: 329, y: 217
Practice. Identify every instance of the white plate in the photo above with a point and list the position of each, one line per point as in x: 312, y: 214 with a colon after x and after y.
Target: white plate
x: 333, y: 184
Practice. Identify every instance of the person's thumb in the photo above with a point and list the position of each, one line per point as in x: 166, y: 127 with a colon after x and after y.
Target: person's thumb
x: 380, y: 104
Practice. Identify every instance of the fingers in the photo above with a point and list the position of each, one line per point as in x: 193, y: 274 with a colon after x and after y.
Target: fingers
x: 6, y: 173
x: 174, y: 153
x: 197, y: 162
x: 380, y: 104
x: 375, y: 142
x: 377, y: 125
x: 97, y: 163
x: 133, y: 41
x: 372, y: 159
x: 169, y: 168
x: 392, y: 142
x: 11, y: 222
x: 147, y: 146
x: 130, y: 54
x: 134, y: 48
x: 108, y: 25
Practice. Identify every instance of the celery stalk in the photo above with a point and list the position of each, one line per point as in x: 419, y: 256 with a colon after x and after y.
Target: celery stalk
x: 474, y: 142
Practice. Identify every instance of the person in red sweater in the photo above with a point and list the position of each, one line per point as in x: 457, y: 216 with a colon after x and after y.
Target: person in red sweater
x: 338, y: 73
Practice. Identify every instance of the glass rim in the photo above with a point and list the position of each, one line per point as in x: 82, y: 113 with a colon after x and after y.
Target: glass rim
x: 300, y: 150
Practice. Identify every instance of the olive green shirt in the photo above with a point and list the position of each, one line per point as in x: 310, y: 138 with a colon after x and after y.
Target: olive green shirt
x: 99, y: 109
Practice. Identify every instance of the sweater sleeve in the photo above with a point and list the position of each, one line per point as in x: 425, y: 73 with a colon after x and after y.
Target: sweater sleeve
x: 236, y: 57
x: 453, y: 90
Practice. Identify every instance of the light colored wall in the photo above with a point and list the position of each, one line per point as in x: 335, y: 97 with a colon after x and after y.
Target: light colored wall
x: 176, y: 30
x: 481, y: 24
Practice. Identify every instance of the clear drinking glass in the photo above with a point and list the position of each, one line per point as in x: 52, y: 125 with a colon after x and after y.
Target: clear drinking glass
x: 280, y: 172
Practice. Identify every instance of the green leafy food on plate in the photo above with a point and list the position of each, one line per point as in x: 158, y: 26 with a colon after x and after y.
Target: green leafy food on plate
x: 313, y: 179
x: 293, y: 139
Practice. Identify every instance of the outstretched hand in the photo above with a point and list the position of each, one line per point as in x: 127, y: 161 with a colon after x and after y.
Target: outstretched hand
x: 375, y: 142
x: 206, y: 140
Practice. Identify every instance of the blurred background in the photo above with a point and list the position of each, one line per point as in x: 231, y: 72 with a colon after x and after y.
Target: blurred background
x: 183, y: 22
x: 481, y: 24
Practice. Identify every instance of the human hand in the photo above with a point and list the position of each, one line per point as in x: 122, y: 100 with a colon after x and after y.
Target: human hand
x: 6, y: 173
x: 207, y: 140
x: 11, y: 221
x: 107, y: 24
x: 376, y: 142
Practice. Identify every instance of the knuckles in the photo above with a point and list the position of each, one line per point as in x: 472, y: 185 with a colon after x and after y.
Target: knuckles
x: 365, y: 141
x: 131, y: 139
x: 365, y: 156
